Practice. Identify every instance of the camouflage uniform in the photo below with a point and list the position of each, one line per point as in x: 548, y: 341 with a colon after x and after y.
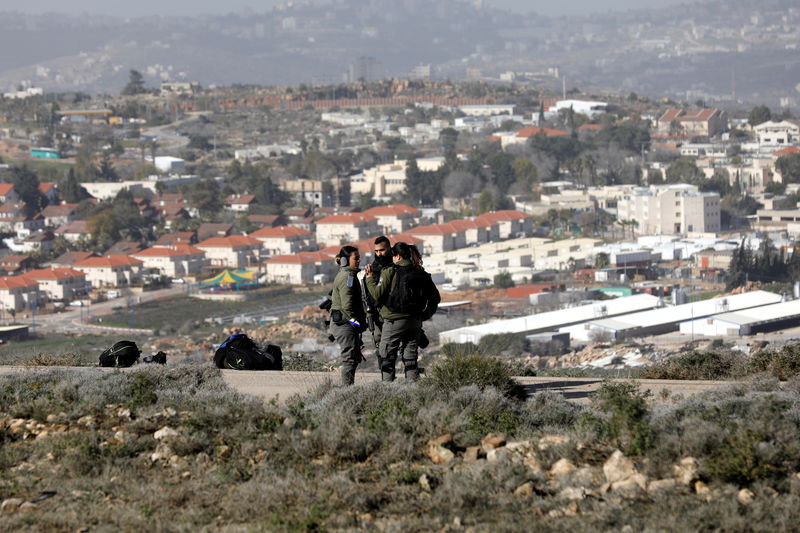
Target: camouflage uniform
x: 346, y: 298
x: 398, y: 328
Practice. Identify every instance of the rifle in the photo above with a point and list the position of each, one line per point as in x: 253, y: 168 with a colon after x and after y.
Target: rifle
x: 368, y: 307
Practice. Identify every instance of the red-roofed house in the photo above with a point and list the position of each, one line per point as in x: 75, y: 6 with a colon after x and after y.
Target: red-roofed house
x: 786, y: 151
x: 59, y: 284
x: 301, y: 268
x: 59, y: 215
x: 18, y: 293
x: 700, y: 123
x: 438, y: 238
x: 513, y: 223
x: 50, y: 192
x: 173, y: 261
x: 240, y: 203
x: 346, y: 227
x: 234, y: 251
x: 395, y: 218
x: 68, y: 259
x: 73, y: 231
x: 17, y: 263
x: 8, y: 194
x: 181, y: 237
x: 478, y: 230
x: 283, y: 240
x: 522, y: 136
x: 111, y: 270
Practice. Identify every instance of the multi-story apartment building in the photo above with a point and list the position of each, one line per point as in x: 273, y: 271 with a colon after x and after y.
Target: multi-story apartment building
x: 671, y: 209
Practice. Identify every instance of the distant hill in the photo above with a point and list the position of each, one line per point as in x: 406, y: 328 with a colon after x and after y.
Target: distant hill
x: 711, y: 51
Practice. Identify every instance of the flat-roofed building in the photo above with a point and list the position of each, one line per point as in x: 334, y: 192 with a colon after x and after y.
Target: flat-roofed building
x: 671, y: 209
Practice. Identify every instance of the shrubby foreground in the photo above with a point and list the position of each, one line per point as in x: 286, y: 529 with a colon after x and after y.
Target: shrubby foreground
x: 174, y: 449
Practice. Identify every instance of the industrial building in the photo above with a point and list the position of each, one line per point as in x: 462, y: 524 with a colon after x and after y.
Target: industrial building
x: 667, y: 319
x: 747, y: 321
x: 552, y: 320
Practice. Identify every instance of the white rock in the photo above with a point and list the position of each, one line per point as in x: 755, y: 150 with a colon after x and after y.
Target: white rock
x: 618, y: 467
x: 745, y: 496
x: 573, y: 493
x: 662, y: 485
x: 686, y: 471
x: 562, y: 467
x: 165, y: 433
x: 10, y: 505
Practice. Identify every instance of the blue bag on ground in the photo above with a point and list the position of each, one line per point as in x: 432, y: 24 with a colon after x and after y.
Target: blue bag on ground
x: 239, y: 352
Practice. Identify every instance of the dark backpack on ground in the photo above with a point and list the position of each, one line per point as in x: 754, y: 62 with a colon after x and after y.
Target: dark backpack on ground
x: 122, y: 354
x: 414, y: 293
x: 239, y: 352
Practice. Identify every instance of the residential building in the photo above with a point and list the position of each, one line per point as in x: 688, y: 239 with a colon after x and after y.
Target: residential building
x: 512, y: 223
x: 59, y: 284
x: 699, y: 123
x: 111, y: 270
x: 524, y: 135
x: 346, y: 227
x: 8, y: 194
x: 395, y: 218
x: 18, y: 294
x: 50, y: 191
x: 283, y: 240
x: 384, y: 180
x: 240, y: 203
x: 772, y: 133
x: 174, y: 261
x: 73, y: 231
x: 301, y: 268
x: 59, y: 215
x: 234, y: 251
x: 671, y: 209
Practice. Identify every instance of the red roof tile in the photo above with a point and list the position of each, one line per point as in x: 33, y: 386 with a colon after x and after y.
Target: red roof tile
x: 231, y: 241
x: 279, y: 231
x: 107, y: 261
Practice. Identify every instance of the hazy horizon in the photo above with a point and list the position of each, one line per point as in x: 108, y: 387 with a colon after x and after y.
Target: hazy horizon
x: 198, y: 7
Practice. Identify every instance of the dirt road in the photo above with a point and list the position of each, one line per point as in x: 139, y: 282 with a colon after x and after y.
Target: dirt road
x: 282, y: 385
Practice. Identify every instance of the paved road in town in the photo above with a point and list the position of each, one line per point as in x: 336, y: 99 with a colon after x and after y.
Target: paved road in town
x: 282, y: 385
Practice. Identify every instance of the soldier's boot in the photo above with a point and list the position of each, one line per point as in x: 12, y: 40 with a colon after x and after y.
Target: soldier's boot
x: 411, y: 369
x: 387, y: 370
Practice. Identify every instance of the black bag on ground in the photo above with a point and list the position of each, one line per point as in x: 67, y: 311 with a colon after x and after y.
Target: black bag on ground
x: 121, y: 354
x: 414, y: 293
x: 239, y: 352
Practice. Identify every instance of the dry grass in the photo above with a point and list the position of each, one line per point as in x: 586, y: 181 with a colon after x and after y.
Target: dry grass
x: 351, y: 459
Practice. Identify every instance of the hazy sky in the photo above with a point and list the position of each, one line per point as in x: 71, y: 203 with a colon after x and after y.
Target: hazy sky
x: 189, y: 7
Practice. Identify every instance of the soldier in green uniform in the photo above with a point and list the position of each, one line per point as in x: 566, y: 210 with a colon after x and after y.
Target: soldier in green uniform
x: 348, y: 319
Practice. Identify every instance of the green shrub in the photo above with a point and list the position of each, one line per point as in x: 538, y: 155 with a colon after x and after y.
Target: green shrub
x: 141, y: 392
x: 738, y: 459
x: 783, y: 364
x: 451, y: 373
x: 693, y: 365
x: 625, y: 423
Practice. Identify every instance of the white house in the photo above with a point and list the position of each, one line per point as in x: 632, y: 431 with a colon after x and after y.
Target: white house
x: 233, y: 251
x: 174, y: 261
x: 111, y: 270
x: 347, y: 227
x: 283, y: 239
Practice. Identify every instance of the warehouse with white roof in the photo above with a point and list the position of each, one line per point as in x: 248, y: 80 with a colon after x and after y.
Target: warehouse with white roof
x: 668, y: 319
x: 747, y: 321
x: 552, y: 320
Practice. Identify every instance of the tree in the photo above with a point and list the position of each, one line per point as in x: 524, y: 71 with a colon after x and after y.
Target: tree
x: 85, y: 168
x: 106, y: 171
x: 503, y: 280
x: 683, y: 170
x: 486, y: 202
x: 524, y: 172
x: 675, y: 128
x: 502, y: 171
x: 135, y: 83
x: 789, y: 168
x: 26, y: 183
x: 71, y: 190
x: 758, y: 115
